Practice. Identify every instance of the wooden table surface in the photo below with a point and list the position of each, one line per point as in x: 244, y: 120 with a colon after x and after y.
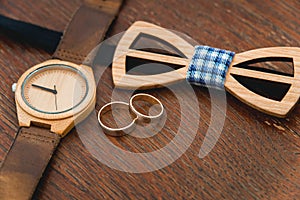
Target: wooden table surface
x: 256, y: 156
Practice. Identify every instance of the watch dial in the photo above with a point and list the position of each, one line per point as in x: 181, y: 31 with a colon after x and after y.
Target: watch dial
x: 54, y: 89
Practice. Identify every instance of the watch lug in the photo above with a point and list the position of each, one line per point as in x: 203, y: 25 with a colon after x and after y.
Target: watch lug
x: 23, y: 117
x: 60, y: 127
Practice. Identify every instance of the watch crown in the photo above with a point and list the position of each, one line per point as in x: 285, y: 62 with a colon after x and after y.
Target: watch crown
x: 14, y: 87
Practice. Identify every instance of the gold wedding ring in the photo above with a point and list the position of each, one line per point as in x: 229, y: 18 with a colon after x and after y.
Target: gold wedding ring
x: 147, y: 98
x: 135, y: 114
x: 115, y: 131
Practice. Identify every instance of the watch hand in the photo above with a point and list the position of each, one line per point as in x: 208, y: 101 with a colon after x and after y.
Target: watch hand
x: 55, y: 96
x: 44, y: 88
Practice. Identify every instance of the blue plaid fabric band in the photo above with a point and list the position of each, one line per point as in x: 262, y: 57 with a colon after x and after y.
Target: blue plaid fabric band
x: 209, y: 66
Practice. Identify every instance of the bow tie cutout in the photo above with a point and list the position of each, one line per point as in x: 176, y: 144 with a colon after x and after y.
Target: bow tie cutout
x: 207, y: 66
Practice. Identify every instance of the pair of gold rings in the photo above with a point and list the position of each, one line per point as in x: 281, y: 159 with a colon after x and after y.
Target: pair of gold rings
x: 134, y: 112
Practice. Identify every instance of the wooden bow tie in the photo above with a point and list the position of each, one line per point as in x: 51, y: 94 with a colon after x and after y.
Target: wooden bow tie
x: 279, y: 108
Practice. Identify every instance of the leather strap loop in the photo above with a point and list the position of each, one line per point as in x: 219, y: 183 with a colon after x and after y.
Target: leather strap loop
x: 26, y: 161
x: 87, y: 28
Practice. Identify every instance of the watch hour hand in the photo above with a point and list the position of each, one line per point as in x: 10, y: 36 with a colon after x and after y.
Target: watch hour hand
x: 55, y: 97
x: 45, y: 89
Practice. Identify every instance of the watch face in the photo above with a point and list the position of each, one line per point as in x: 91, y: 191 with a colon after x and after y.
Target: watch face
x: 54, y: 89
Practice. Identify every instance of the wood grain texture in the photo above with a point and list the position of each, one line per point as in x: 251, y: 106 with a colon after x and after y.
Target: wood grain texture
x: 270, y: 106
x: 278, y: 108
x: 123, y: 80
x: 256, y: 156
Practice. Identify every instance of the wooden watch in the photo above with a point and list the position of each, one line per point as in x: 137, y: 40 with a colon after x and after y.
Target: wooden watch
x: 53, y: 96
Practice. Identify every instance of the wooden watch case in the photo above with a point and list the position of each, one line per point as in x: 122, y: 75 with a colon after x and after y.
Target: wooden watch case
x: 58, y: 123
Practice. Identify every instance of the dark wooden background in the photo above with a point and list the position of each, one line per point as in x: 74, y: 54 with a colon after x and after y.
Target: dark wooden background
x: 256, y: 156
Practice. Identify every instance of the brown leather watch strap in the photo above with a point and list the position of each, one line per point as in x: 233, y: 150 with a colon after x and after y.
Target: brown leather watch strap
x: 29, y: 155
x: 26, y: 161
x: 86, y: 29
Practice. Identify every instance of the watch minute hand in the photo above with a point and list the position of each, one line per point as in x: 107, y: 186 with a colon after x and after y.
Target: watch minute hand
x: 44, y: 88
